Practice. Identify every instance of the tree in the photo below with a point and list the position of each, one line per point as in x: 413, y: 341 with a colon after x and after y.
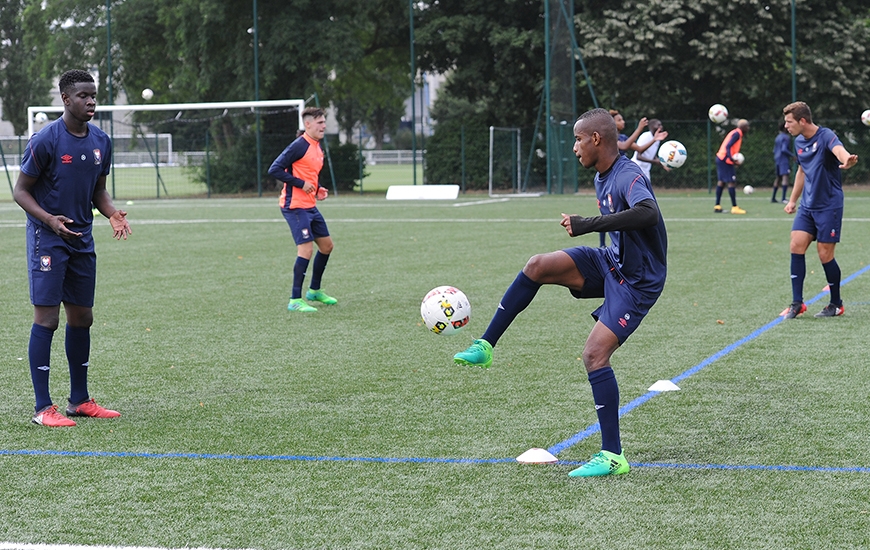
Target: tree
x: 22, y: 80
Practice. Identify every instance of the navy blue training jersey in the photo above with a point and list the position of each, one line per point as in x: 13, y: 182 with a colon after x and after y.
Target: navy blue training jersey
x: 67, y: 168
x: 823, y: 187
x: 640, y: 256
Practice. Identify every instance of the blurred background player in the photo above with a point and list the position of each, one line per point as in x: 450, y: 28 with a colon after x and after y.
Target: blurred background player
x: 63, y: 177
x: 647, y: 147
x: 818, y: 184
x: 725, y: 165
x: 629, y: 275
x: 298, y: 166
x: 629, y: 143
x: 782, y: 155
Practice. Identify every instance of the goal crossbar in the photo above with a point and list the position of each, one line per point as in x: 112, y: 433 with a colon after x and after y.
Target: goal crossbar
x: 298, y: 103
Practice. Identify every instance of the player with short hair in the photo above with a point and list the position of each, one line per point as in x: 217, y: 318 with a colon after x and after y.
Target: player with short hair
x: 725, y: 165
x: 782, y: 155
x: 629, y: 143
x: 63, y: 176
x: 818, y: 183
x: 647, y: 147
x: 299, y: 166
x: 629, y: 275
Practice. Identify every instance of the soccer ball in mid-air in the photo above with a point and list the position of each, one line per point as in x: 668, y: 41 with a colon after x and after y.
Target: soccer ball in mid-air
x: 739, y: 158
x: 748, y: 189
x: 865, y: 117
x: 672, y: 154
x: 718, y: 113
x: 445, y: 310
x: 147, y: 94
x: 40, y: 117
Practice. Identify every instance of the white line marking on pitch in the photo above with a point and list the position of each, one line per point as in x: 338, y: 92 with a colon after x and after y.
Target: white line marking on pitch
x: 20, y: 546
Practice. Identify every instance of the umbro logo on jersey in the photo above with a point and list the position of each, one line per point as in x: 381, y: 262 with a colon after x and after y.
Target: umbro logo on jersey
x: 66, y: 159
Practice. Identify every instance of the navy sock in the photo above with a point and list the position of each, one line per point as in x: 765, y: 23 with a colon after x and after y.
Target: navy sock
x: 798, y: 274
x: 784, y: 189
x: 299, y: 276
x: 774, y: 193
x: 517, y: 298
x: 78, y: 351
x: 732, y: 192
x: 317, y: 270
x: 832, y: 273
x: 605, y: 392
x: 718, y: 195
x: 39, y: 353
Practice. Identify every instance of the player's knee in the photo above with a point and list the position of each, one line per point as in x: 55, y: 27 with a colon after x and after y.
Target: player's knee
x: 536, y: 267
x: 595, y: 357
x: 326, y: 247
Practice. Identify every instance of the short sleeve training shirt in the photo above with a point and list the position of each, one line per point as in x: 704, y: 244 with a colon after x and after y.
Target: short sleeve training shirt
x: 823, y: 188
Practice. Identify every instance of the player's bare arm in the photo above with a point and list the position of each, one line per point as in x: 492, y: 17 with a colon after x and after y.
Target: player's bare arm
x: 846, y: 159
x: 23, y: 195
x: 796, y: 190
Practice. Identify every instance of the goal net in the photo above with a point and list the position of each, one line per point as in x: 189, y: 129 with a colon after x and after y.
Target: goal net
x: 506, y: 164
x: 189, y: 149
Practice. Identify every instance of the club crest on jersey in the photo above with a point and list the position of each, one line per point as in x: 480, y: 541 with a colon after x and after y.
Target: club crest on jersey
x: 98, y: 157
x: 45, y: 263
x: 610, y: 203
x: 66, y: 159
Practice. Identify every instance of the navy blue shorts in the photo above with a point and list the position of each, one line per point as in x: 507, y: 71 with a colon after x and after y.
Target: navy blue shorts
x: 824, y: 225
x: 624, y: 307
x: 725, y: 171
x: 306, y: 224
x: 783, y: 167
x: 60, y: 270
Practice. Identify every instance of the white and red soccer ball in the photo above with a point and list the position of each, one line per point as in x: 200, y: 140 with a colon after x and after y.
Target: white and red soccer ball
x: 445, y: 310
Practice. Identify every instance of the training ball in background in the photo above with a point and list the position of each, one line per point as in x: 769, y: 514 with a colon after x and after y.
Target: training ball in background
x: 865, y: 117
x: 41, y: 117
x: 445, y: 310
x: 739, y: 158
x: 147, y: 94
x: 718, y: 113
x: 672, y: 154
x: 748, y: 189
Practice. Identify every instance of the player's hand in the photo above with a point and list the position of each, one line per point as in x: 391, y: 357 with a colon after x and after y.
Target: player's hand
x: 120, y: 226
x: 790, y: 207
x: 309, y: 187
x: 660, y: 135
x: 566, y: 223
x: 850, y: 162
x: 641, y: 124
x: 58, y: 225
x: 322, y: 193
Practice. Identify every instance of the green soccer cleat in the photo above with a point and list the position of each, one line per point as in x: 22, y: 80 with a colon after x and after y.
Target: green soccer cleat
x: 319, y: 296
x: 479, y: 354
x: 298, y: 304
x: 602, y: 463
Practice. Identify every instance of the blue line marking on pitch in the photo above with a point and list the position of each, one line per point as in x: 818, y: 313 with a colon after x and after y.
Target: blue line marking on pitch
x: 555, y: 449
x: 595, y: 428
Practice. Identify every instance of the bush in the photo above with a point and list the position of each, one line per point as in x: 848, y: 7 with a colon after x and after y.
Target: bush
x: 345, y: 165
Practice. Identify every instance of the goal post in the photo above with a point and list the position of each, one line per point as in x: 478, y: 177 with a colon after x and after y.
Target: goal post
x: 191, y: 149
x: 505, y: 163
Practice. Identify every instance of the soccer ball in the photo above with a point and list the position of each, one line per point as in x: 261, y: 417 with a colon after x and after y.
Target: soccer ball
x: 147, y: 94
x: 672, y: 154
x: 718, y: 113
x: 40, y: 117
x: 865, y: 117
x: 748, y: 189
x: 445, y: 310
x: 739, y: 158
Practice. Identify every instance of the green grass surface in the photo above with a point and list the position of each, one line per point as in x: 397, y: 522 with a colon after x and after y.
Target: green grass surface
x: 245, y: 426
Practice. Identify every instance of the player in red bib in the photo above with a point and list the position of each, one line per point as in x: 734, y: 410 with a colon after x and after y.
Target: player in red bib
x: 298, y: 166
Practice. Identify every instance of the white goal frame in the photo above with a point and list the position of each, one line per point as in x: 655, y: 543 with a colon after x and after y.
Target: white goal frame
x: 298, y: 103
x: 519, y: 193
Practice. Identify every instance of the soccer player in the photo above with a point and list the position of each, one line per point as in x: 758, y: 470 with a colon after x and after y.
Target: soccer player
x: 818, y: 183
x: 725, y: 165
x: 629, y: 275
x: 298, y: 166
x: 629, y: 143
x: 647, y: 147
x: 782, y: 155
x: 63, y: 176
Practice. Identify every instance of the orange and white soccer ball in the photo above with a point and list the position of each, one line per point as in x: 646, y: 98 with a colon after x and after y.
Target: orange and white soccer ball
x: 445, y: 310
x: 672, y: 154
x: 718, y: 113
